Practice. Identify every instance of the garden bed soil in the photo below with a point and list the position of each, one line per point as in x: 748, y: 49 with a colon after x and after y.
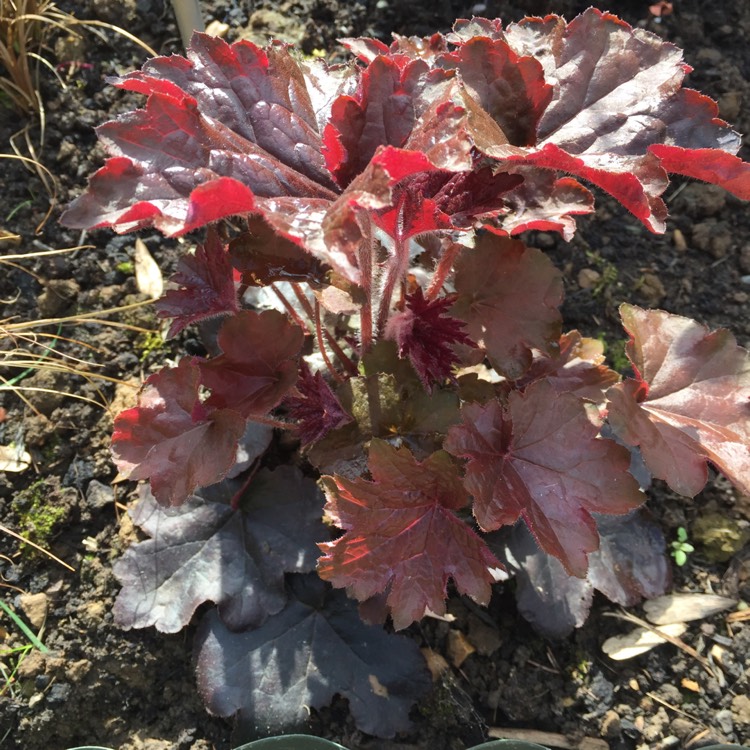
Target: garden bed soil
x: 130, y: 690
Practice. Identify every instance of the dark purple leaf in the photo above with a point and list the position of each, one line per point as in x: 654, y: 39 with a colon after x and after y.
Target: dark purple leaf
x: 630, y: 565
x: 315, y: 648
x: 508, y: 295
x: 258, y: 364
x: 402, y: 535
x: 689, y: 403
x: 207, y: 551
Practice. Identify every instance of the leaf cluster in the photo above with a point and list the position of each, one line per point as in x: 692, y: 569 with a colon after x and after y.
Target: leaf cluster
x: 374, y: 299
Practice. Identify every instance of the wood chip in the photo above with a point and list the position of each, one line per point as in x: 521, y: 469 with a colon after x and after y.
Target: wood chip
x: 639, y: 641
x: 685, y: 607
x: 690, y: 685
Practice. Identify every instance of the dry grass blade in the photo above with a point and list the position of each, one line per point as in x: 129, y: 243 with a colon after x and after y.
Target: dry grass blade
x: 26, y: 29
x: 23, y: 539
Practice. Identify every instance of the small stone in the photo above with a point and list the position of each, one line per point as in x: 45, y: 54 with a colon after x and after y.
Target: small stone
x: 588, y: 278
x: 34, y: 606
x: 611, y: 726
x: 741, y: 709
x: 78, y: 670
x: 681, y: 727
x: 99, y: 495
x: 217, y: 28
x: 652, y: 289
x: 485, y: 639
x: 725, y: 721
x: 57, y: 297
x: 730, y: 105
x: 546, y: 241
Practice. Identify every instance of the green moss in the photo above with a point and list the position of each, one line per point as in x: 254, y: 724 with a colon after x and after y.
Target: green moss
x: 125, y: 267
x: 39, y: 516
x: 149, y: 342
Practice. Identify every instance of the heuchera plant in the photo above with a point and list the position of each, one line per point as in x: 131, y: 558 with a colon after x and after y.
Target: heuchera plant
x: 416, y: 347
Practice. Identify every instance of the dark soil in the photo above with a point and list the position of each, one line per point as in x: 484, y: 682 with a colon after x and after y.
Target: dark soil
x: 100, y: 685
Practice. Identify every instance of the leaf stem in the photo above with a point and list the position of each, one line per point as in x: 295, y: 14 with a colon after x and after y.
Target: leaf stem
x: 366, y: 259
x: 397, y: 268
x: 322, y: 346
x: 443, y: 268
x: 293, y: 314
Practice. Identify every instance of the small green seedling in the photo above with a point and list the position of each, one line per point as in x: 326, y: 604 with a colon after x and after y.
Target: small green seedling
x: 681, y: 548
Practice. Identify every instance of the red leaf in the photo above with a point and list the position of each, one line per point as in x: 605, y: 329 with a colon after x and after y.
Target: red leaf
x: 207, y: 287
x: 381, y: 113
x: 540, y: 459
x: 508, y: 295
x: 577, y: 367
x: 402, y: 535
x: 316, y: 409
x: 258, y: 364
x: 426, y: 334
x: 509, y: 87
x: 172, y: 439
x: 689, y: 403
x: 709, y: 165
x: 599, y: 125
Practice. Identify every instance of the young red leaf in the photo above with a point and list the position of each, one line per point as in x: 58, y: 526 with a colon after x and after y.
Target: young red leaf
x: 173, y: 439
x: 207, y: 285
x: 689, y: 403
x: 426, y: 334
x: 381, y: 113
x: 317, y: 410
x: 402, y: 535
x: 508, y: 295
x: 258, y: 364
x: 540, y: 459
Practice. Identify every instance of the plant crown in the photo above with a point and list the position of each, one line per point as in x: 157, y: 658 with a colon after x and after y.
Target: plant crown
x: 374, y: 299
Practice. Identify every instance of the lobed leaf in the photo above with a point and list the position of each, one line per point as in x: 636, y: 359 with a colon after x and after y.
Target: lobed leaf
x: 172, y: 438
x: 689, y: 403
x: 258, y: 363
x: 208, y: 551
x: 629, y: 565
x: 402, y: 535
x: 540, y: 459
x: 316, y: 647
x: 207, y: 287
x: 508, y: 295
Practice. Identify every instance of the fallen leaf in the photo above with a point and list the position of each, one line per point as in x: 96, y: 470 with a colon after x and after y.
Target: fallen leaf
x: 14, y: 459
x: 148, y: 276
x: 685, y: 607
x: 639, y: 641
x: 459, y: 648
